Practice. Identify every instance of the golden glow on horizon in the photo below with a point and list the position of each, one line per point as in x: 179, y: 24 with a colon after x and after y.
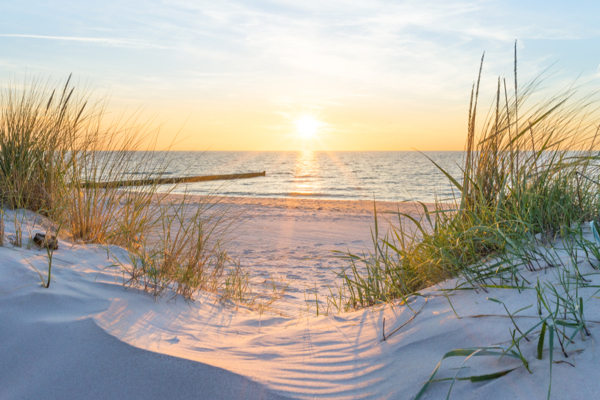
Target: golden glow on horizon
x: 307, y: 126
x: 243, y: 128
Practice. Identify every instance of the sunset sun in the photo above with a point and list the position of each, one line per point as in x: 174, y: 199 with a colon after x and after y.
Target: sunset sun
x: 307, y: 126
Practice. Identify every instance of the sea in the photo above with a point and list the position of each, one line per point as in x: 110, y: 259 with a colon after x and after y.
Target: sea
x: 361, y: 175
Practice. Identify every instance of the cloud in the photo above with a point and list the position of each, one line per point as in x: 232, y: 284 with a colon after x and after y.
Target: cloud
x: 114, y: 42
x: 407, y: 51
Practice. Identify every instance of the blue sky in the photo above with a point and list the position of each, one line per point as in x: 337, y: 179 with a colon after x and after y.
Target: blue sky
x: 387, y: 75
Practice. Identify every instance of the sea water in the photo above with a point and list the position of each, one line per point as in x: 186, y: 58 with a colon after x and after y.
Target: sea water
x: 385, y: 176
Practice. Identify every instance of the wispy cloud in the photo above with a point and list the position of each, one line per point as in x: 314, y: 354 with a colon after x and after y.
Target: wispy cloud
x: 115, y: 42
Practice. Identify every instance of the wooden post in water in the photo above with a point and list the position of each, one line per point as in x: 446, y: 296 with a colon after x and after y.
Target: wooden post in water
x: 170, y: 181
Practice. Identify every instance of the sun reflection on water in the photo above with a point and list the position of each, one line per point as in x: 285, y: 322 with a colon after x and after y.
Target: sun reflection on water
x: 306, y: 175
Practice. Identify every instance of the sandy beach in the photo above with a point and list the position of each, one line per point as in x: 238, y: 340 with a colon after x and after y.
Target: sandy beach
x: 292, y: 241
x: 88, y: 336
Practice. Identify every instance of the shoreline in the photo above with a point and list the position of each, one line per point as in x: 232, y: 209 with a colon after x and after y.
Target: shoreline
x: 333, y: 205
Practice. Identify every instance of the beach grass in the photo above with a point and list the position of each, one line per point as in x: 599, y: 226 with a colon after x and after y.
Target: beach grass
x: 528, y: 188
x: 57, y: 146
x: 526, y: 173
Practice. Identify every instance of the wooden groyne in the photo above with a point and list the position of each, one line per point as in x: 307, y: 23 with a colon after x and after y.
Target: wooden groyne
x: 170, y: 181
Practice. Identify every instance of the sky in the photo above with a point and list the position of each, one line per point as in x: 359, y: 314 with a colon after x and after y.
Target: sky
x: 298, y: 75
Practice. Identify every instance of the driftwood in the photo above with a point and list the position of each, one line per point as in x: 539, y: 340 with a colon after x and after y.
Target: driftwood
x: 170, y: 181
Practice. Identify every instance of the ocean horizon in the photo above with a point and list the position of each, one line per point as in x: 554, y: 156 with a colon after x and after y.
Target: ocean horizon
x: 332, y: 175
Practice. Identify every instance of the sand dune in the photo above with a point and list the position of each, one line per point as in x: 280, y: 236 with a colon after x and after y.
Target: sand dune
x: 87, y: 336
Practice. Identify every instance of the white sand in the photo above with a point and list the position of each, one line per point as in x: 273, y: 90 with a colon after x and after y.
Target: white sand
x: 89, y: 337
x: 291, y: 240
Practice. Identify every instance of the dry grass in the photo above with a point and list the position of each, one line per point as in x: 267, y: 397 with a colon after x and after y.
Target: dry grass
x: 57, y: 145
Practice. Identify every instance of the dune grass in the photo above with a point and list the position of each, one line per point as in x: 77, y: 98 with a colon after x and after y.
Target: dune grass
x: 560, y: 304
x: 522, y: 176
x: 529, y: 184
x: 57, y: 145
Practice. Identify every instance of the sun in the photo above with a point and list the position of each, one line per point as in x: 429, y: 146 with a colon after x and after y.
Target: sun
x: 307, y: 126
